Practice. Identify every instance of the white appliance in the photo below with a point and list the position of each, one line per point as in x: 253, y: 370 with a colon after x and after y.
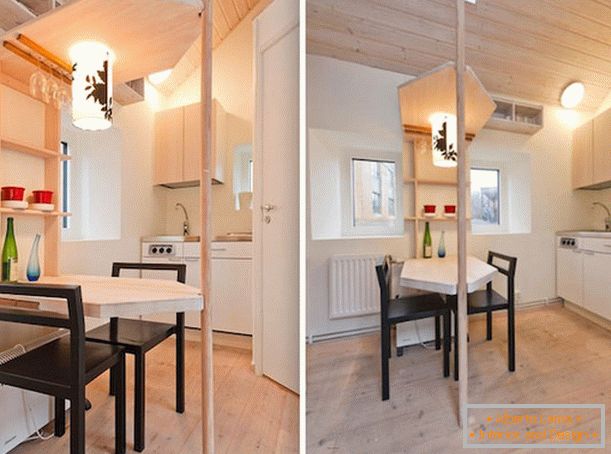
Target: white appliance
x: 582, y: 270
x: 174, y: 250
x: 23, y: 412
x: 231, y: 290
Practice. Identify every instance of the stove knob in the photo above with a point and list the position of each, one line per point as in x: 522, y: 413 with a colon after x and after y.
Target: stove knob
x: 161, y: 250
x: 154, y: 250
x: 169, y: 250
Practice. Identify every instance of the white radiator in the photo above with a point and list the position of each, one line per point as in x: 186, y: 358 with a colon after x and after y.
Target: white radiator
x: 353, y: 286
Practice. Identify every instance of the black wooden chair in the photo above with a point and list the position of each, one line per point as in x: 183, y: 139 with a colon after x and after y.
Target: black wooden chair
x: 63, y: 368
x: 398, y: 310
x: 488, y: 301
x: 140, y: 336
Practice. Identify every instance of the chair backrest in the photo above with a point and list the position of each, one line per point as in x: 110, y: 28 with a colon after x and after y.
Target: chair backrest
x: 383, y: 274
x: 509, y: 271
x: 181, y: 269
x: 74, y: 321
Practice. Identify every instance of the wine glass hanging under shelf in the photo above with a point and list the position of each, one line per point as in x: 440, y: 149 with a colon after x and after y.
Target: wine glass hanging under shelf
x: 52, y: 76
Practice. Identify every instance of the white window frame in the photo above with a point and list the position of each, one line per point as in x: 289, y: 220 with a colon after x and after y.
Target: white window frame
x: 373, y: 229
x: 503, y: 225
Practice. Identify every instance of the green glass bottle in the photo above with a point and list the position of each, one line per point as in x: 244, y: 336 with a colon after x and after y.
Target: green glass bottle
x: 10, y: 268
x: 428, y: 243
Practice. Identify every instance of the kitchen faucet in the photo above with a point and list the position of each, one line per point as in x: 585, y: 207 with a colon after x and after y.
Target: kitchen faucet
x: 185, y: 225
x: 608, y: 218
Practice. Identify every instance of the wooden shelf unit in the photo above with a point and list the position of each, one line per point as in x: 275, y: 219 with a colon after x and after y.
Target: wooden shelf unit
x: 424, y: 174
x: 50, y: 153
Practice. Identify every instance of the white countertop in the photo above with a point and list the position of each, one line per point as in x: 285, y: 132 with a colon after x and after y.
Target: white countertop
x: 585, y: 233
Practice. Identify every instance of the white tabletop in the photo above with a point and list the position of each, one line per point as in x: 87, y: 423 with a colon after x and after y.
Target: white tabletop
x: 441, y: 275
x: 106, y: 297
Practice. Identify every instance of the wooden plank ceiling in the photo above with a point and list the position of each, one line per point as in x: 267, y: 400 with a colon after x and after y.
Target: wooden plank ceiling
x: 526, y: 49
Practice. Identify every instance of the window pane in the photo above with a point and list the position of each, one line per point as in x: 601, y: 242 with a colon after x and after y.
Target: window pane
x: 485, y: 196
x: 65, y: 176
x: 373, y: 192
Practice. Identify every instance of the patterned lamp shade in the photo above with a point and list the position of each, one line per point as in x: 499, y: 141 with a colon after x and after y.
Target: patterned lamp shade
x: 443, y: 127
x: 91, y: 85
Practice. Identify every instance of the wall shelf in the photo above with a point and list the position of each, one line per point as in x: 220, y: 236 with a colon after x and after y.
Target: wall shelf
x: 21, y: 147
x: 516, y: 116
x: 28, y: 212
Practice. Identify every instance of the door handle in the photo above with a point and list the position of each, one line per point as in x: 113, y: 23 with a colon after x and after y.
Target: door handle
x: 268, y: 207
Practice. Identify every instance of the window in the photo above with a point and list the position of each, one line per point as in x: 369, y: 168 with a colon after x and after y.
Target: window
x: 485, y: 196
x: 373, y: 192
x: 65, y: 178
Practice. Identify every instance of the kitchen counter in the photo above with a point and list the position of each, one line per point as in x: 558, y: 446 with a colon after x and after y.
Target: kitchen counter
x: 585, y: 233
x: 171, y: 239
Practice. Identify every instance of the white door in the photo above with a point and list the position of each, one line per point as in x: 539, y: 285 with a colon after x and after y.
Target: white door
x: 276, y: 193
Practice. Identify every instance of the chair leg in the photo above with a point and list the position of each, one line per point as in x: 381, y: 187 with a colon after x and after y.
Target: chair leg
x: 112, y: 386
x: 60, y: 417
x: 385, y: 344
x: 488, y: 325
x: 139, y: 401
x: 180, y: 362
x: 77, y: 422
x: 114, y: 330
x: 511, y: 339
x: 456, y: 346
x: 446, y: 345
x: 120, y: 442
x: 437, y: 333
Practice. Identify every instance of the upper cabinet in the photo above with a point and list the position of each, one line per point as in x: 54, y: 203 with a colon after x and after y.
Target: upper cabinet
x: 582, y: 156
x: 178, y: 145
x: 601, y: 145
x: 592, y: 153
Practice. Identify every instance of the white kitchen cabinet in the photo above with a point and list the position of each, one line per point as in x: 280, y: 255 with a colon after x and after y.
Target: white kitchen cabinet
x: 178, y: 145
x: 231, y: 289
x: 601, y: 147
x: 597, y: 283
x: 569, y: 269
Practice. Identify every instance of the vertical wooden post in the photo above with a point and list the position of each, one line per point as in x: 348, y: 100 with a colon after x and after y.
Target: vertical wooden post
x: 463, y: 384
x: 205, y: 190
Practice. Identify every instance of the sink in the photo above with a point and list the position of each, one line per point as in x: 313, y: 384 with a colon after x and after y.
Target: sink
x: 171, y: 239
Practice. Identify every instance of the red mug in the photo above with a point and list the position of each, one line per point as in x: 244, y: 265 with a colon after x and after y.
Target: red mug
x: 43, y: 196
x: 12, y: 193
x: 429, y: 209
x: 450, y: 209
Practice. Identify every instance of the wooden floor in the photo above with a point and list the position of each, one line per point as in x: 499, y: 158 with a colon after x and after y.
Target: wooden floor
x: 252, y: 414
x: 561, y: 358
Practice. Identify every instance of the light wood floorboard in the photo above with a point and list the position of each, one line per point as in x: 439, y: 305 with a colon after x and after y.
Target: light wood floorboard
x: 252, y: 414
x: 560, y: 358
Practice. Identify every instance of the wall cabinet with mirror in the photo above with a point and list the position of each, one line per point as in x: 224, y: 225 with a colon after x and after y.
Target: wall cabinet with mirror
x: 178, y: 144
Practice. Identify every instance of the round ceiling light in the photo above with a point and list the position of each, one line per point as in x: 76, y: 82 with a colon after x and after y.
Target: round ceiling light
x: 572, y: 95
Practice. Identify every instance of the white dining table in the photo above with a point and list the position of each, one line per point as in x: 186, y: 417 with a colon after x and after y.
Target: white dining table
x: 111, y: 297
x: 440, y: 275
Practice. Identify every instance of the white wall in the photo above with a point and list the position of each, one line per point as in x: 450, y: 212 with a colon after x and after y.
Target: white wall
x: 94, y: 181
x: 350, y: 97
x: 232, y: 86
x: 141, y: 203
